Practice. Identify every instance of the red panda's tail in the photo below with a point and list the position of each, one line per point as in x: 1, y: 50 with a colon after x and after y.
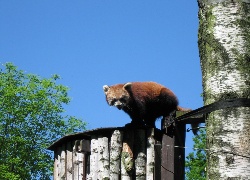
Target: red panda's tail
x: 194, y: 125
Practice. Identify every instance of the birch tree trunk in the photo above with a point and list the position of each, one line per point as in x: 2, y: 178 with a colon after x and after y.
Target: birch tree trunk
x: 224, y: 45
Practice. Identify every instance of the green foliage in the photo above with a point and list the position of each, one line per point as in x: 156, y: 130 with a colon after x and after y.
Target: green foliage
x: 31, y: 118
x: 196, y: 161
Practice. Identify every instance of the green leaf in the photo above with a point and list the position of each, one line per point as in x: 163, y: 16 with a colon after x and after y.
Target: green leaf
x: 31, y: 117
x: 196, y: 161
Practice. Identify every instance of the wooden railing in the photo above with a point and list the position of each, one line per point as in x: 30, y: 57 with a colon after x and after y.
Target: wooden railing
x: 125, y: 153
x: 108, y: 153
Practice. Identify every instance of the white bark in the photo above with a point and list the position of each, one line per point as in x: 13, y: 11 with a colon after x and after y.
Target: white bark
x: 103, y: 158
x: 230, y: 37
x: 69, y: 159
x: 127, y: 162
x: 127, y: 157
x: 93, y: 159
x: 231, y: 149
x: 224, y: 51
x: 150, y: 155
x: 80, y: 158
x: 77, y: 161
x: 57, y: 163
x: 115, y: 154
x: 62, y: 163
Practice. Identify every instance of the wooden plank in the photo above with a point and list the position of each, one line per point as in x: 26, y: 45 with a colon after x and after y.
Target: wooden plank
x: 75, y: 160
x: 103, y: 158
x: 192, y: 120
x: 140, y: 154
x: 115, y: 154
x: 69, y: 161
x: 127, y: 158
x: 63, y: 163
x: 59, y: 149
x: 87, y: 163
x: 173, y: 153
x: 93, y: 158
x: 78, y: 161
x: 84, y: 148
x: 179, y: 154
x: 150, y: 154
x: 56, y: 163
x: 179, y: 143
x: 80, y: 158
x: 157, y: 170
x: 167, y: 165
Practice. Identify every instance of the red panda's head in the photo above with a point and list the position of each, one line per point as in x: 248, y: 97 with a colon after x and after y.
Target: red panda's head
x: 117, y: 95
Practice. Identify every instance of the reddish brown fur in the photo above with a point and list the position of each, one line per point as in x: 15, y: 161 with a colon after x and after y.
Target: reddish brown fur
x: 143, y: 101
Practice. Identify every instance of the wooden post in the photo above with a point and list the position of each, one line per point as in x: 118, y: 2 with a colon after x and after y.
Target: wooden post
x: 140, y: 154
x: 167, y: 164
x: 63, y: 163
x: 127, y: 158
x: 103, y: 158
x: 115, y: 154
x: 179, y: 151
x: 150, y: 168
x: 57, y: 163
x: 124, y: 153
x: 76, y: 169
x: 157, y: 170
x: 173, y: 152
x: 93, y: 158
x: 84, y: 149
x: 69, y: 160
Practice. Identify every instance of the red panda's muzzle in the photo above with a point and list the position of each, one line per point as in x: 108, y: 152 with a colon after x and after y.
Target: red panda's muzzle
x: 119, y: 107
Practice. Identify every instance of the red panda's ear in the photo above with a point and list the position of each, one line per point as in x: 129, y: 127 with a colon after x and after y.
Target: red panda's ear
x: 127, y: 86
x: 105, y: 88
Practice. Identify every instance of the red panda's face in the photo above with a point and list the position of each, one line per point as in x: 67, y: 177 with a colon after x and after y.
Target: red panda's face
x: 116, y: 95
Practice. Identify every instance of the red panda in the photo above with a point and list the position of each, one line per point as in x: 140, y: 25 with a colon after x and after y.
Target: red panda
x: 144, y: 102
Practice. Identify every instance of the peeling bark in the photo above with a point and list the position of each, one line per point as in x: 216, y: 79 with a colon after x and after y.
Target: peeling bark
x: 115, y: 154
x: 78, y: 159
x: 127, y: 157
x: 224, y: 45
x: 62, y: 163
x: 103, y: 158
x: 93, y: 159
x: 69, y: 159
x: 150, y: 154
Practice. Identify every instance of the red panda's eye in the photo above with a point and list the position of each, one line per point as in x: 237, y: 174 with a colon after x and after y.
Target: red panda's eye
x: 113, y: 101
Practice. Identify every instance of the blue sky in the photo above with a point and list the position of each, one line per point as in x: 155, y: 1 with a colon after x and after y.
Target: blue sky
x: 90, y: 43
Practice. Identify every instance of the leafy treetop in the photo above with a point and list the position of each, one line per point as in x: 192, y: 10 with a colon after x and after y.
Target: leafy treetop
x: 32, y: 116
